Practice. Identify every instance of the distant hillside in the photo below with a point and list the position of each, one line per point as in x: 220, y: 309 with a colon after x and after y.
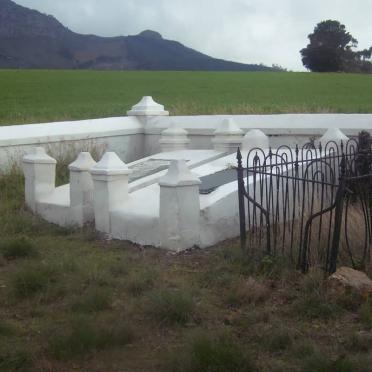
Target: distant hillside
x: 30, y: 39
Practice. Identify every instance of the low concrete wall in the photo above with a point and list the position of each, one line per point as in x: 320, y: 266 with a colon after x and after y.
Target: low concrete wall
x: 66, y: 139
x: 289, y: 129
x: 136, y: 136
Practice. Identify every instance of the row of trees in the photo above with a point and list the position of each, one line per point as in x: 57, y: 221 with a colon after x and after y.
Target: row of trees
x: 333, y: 49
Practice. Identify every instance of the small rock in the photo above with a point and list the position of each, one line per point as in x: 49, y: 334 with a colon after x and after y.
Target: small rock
x: 346, y: 277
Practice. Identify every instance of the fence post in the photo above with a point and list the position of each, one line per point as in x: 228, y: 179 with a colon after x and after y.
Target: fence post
x: 174, y: 139
x: 110, y: 179
x: 241, y: 192
x: 338, y: 218
x: 228, y: 137
x: 147, y: 107
x: 40, y: 173
x: 179, y: 208
x: 81, y: 188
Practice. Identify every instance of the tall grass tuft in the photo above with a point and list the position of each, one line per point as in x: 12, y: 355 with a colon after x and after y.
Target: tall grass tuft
x: 314, y: 301
x: 67, y: 152
x: 321, y: 362
x: 245, y: 292
x: 139, y: 281
x: 172, y: 306
x: 214, y: 353
x: 279, y: 339
x: 86, y: 335
x: 93, y: 300
x: 17, y: 248
x: 6, y: 329
x: 32, y: 278
x: 14, y: 359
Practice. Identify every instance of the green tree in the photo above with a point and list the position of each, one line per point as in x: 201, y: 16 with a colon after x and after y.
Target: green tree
x: 331, y: 50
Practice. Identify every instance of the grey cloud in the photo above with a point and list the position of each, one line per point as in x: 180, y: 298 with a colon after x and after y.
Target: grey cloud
x: 250, y: 31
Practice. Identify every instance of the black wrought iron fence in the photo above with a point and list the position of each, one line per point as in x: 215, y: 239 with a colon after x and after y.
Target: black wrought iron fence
x: 312, y: 205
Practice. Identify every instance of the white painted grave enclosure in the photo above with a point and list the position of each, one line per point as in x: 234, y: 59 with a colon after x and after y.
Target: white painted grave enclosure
x: 149, y: 186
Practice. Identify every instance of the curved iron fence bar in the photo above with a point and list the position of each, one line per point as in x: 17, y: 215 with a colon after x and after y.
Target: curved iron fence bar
x: 352, y: 145
x: 363, y: 201
x: 243, y: 193
x: 348, y: 249
x: 322, y: 162
x: 330, y: 146
x: 340, y: 194
x: 271, y: 156
x: 303, y: 265
x: 241, y: 189
x: 308, y: 146
x: 259, y: 155
x: 286, y: 147
x: 255, y: 150
x: 267, y: 216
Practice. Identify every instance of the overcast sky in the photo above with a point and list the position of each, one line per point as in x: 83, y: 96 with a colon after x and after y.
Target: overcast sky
x: 248, y: 31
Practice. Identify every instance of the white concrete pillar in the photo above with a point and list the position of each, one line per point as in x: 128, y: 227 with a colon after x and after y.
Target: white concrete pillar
x: 228, y: 137
x: 147, y: 107
x: 81, y: 188
x: 335, y: 135
x: 179, y: 208
x: 174, y: 139
x: 40, y: 173
x: 110, y: 178
x: 255, y: 138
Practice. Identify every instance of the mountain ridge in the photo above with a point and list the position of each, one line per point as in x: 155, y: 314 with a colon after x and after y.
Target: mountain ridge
x: 30, y: 39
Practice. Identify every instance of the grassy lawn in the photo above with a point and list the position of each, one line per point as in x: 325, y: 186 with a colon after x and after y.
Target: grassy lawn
x: 70, y: 300
x: 42, y: 96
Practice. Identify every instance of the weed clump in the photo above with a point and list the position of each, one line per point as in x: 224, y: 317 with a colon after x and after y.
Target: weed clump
x: 246, y: 292
x: 279, y: 339
x: 214, y: 353
x: 303, y: 348
x: 140, y: 281
x: 85, y: 335
x: 314, y: 301
x: 316, y: 306
x: 6, y: 329
x: 18, y: 248
x: 31, y: 279
x: 94, y: 300
x: 172, y: 306
x: 14, y: 357
x: 320, y: 362
x: 361, y: 342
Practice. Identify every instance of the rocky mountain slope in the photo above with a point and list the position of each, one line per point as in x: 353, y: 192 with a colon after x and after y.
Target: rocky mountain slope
x: 30, y: 39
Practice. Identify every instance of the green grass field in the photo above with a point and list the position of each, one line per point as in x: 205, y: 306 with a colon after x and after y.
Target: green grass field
x: 42, y: 96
